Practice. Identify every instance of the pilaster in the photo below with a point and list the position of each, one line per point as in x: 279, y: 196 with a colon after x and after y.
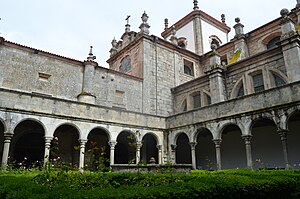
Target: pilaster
x: 290, y: 41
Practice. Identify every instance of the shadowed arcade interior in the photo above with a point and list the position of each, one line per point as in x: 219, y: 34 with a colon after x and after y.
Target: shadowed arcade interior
x: 68, y: 144
x: 183, y: 150
x: 126, y: 148
x: 28, y: 143
x: 149, y: 149
x: 205, y: 150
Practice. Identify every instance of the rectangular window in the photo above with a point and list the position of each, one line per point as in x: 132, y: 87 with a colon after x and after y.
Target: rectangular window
x: 258, y: 83
x: 197, y: 101
x: 188, y: 68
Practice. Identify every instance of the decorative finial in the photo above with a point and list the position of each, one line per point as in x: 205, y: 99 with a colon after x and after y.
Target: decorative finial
x: 166, y: 23
x: 284, y: 12
x: 114, y: 48
x: 223, y: 18
x: 173, y: 31
x: 91, y: 57
x: 196, y: 5
x: 173, y: 37
x: 127, y: 26
x: 144, y: 26
x: 239, y: 28
x: 114, y: 43
x: 213, y: 47
x: 144, y: 17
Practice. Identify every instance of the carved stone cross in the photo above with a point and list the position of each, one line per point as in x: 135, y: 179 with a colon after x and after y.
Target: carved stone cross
x: 127, y: 19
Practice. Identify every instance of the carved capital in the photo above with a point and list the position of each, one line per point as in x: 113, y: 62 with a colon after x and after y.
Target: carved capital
x: 173, y: 147
x: 112, y: 144
x: 283, y: 134
x: 193, y: 145
x: 247, y: 139
x: 217, y: 142
x: 159, y: 147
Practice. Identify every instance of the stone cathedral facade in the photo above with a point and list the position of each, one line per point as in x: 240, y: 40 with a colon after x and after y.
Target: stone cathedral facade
x: 193, y: 97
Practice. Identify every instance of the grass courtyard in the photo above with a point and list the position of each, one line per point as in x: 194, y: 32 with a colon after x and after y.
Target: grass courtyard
x: 198, y: 184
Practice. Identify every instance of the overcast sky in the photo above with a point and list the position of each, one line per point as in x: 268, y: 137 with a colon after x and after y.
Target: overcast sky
x: 69, y: 27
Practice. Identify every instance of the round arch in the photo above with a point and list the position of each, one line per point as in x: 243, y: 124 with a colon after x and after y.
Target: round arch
x: 149, y: 147
x: 33, y: 120
x: 266, y: 144
x: 232, y: 147
x: 2, y: 122
x: 71, y: 125
x: 183, y: 153
x: 293, y: 139
x: 236, y: 91
x: 205, y: 150
x: 125, y: 150
x: 65, y: 145
x: 103, y: 130
x: 28, y: 144
x: 97, y: 151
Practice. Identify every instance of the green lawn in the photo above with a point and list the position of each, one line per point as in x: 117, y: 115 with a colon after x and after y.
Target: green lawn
x: 240, y: 184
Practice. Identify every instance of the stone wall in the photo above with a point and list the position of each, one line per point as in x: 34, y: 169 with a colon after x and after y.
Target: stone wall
x: 284, y: 96
x: 21, y: 69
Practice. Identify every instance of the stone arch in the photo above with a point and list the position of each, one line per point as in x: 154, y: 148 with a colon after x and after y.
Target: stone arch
x: 266, y: 40
x: 2, y: 122
x: 65, y: 145
x: 236, y: 92
x: 278, y: 73
x: 183, y: 149
x: 97, y: 150
x: 30, y: 119
x: 205, y: 149
x: 293, y: 139
x: 206, y: 98
x: 125, y: 150
x: 183, y: 105
x: 104, y: 130
x: 232, y: 147
x: 266, y: 144
x: 69, y: 124
x: 28, y: 144
x: 149, y: 148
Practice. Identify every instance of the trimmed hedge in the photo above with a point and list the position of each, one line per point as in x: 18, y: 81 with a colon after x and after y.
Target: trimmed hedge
x: 199, y: 184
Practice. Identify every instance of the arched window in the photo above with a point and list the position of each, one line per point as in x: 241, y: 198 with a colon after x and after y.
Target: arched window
x: 278, y: 80
x: 184, y: 106
x: 241, y: 91
x: 273, y: 42
x: 125, y: 64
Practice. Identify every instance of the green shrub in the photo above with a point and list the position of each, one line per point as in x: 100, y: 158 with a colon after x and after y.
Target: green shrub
x: 199, y: 184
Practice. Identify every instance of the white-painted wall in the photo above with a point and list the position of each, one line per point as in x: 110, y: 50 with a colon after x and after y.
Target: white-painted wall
x: 208, y: 30
x: 187, y: 32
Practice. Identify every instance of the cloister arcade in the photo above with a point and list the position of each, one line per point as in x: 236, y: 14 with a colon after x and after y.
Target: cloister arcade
x: 28, y: 139
x: 262, y: 140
